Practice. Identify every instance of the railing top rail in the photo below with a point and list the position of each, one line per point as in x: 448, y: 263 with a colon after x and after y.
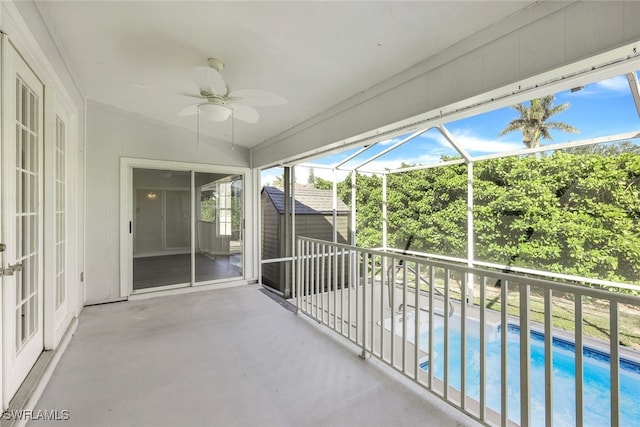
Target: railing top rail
x: 564, y: 286
x: 522, y: 270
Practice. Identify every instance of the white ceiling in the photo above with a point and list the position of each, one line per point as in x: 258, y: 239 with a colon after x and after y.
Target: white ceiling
x: 137, y: 56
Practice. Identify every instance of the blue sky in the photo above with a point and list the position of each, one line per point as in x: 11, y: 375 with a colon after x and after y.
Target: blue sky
x: 599, y: 109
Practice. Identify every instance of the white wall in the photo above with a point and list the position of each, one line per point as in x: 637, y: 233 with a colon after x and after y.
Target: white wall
x: 112, y: 134
x: 510, y: 57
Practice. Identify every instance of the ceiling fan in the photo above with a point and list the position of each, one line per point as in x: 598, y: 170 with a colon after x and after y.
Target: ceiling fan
x: 217, y: 103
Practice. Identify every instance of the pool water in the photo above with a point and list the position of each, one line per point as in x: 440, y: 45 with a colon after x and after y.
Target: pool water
x: 596, y: 393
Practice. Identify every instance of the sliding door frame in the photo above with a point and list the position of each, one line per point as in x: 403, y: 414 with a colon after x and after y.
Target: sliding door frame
x: 127, y: 165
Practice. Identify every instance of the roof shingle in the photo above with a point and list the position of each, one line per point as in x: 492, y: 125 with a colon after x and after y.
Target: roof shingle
x: 308, y: 201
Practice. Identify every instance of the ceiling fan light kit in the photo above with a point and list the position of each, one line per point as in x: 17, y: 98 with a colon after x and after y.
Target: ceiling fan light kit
x: 218, y: 104
x: 215, y: 111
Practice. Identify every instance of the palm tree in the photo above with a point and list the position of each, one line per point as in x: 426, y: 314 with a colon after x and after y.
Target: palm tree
x: 533, y: 121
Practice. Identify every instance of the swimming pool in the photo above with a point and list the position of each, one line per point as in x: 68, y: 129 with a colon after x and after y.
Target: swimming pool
x: 596, y: 393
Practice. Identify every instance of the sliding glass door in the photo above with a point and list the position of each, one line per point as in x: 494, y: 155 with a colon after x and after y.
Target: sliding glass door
x: 161, y: 228
x: 187, y: 228
x: 219, y: 222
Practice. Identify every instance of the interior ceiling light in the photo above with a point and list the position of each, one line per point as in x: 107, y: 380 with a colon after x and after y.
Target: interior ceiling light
x: 216, y: 111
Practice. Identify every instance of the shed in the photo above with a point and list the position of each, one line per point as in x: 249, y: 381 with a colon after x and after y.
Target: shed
x: 314, y: 218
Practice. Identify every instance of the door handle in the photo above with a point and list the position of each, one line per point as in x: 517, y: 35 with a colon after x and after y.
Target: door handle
x: 11, y: 269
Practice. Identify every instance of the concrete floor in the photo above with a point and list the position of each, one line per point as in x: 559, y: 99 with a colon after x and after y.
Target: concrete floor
x: 229, y: 357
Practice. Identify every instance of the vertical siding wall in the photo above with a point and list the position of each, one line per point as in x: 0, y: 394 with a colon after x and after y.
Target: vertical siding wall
x: 271, y: 236
x: 314, y: 226
x: 112, y: 134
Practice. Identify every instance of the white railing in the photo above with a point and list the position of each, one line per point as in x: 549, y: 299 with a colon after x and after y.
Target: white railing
x: 377, y: 300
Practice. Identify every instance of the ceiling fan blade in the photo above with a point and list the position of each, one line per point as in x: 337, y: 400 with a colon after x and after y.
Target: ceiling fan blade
x: 146, y: 86
x: 165, y: 89
x: 189, y: 111
x: 190, y: 95
x: 245, y: 113
x: 256, y: 97
x: 209, y: 80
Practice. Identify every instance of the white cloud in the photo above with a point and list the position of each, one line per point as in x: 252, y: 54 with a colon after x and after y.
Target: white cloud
x: 423, y: 159
x: 326, y: 174
x: 473, y: 143
x: 389, y: 141
x: 434, y: 146
x: 616, y: 84
x: 267, y: 176
x: 430, y: 152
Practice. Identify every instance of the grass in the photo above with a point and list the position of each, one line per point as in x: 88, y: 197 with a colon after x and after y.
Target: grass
x: 595, y: 316
x: 595, y: 312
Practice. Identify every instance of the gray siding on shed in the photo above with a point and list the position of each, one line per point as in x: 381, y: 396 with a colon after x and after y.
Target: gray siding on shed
x: 321, y: 227
x: 270, y: 236
x: 312, y: 222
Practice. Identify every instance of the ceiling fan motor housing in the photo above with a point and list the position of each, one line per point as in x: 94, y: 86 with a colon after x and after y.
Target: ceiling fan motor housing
x: 216, y: 64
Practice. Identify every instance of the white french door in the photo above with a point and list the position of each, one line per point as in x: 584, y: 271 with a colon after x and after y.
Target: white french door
x: 22, y: 222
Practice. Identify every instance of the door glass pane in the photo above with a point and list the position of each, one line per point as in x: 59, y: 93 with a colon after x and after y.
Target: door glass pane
x: 178, y: 218
x: 60, y: 213
x: 27, y: 216
x: 219, y: 226
x: 161, y: 228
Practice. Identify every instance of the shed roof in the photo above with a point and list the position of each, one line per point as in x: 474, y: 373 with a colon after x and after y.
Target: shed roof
x: 308, y: 201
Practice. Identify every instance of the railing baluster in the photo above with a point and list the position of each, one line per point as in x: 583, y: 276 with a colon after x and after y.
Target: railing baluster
x: 525, y: 358
x: 578, y: 355
x: 463, y: 340
x: 323, y: 268
x: 359, y: 257
x: 298, y: 286
x: 392, y: 283
x: 405, y: 305
x: 309, y: 283
x: 306, y: 275
x: 350, y: 285
x: 548, y: 358
x: 311, y: 280
x: 416, y: 327
x: 365, y: 276
x: 614, y: 361
x: 356, y: 288
x: 383, y: 278
x: 372, y: 272
x: 326, y: 285
x: 342, y: 251
x: 335, y: 287
x: 446, y: 333
x: 483, y: 348
x: 432, y: 278
x: 504, y: 327
x: 316, y: 283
